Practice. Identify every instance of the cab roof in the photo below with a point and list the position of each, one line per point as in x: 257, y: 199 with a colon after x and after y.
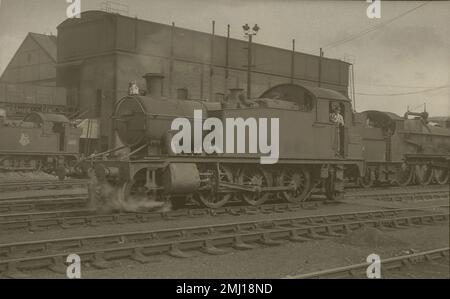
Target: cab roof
x: 385, y: 114
x: 45, y: 117
x: 289, y: 90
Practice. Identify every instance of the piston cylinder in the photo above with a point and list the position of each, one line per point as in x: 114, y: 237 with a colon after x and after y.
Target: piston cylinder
x: 181, y: 178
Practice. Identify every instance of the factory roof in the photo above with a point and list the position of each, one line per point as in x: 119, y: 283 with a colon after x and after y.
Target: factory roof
x: 47, y: 43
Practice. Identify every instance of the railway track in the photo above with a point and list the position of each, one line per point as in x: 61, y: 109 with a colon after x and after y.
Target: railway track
x: 82, y: 216
x: 412, y: 193
x: 88, y: 218
x: 394, y: 189
x: 42, y: 203
x: 14, y: 185
x: 398, y: 193
x: 359, y: 270
x: 41, y: 184
x: 141, y: 246
x: 85, y: 217
x: 44, y: 212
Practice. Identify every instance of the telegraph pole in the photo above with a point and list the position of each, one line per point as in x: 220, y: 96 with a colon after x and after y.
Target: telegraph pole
x: 227, y: 58
x: 293, y: 62
x: 249, y: 67
x: 211, y: 62
x: 320, y: 67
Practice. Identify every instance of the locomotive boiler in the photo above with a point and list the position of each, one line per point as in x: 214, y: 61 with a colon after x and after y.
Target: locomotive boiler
x: 314, y: 154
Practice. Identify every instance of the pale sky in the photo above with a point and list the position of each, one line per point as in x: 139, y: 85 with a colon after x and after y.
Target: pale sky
x: 408, y: 55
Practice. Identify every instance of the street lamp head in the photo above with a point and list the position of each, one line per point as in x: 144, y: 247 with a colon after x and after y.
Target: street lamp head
x: 256, y: 28
x: 246, y: 27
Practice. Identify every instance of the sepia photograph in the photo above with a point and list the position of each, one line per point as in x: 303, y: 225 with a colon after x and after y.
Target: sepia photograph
x: 227, y: 146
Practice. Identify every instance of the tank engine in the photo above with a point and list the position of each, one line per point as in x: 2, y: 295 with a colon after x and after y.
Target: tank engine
x: 41, y: 141
x: 314, y: 154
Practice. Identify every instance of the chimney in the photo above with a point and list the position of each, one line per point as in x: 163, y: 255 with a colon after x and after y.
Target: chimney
x: 154, y: 84
x: 182, y: 94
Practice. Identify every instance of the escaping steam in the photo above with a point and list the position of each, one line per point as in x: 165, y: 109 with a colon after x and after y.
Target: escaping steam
x: 104, y: 197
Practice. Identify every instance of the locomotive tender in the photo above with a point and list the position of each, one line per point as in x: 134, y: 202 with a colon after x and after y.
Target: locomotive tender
x: 314, y: 153
x: 41, y: 141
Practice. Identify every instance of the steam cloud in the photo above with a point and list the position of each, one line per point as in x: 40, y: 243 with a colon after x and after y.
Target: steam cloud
x: 106, y: 198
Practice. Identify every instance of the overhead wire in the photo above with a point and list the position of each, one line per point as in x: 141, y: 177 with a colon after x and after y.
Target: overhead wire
x: 370, y: 29
x: 402, y: 93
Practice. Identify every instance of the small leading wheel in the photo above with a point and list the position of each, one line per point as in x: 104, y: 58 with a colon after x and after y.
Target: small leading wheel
x: 134, y: 196
x: 253, y: 177
x: 441, y: 175
x: 367, y: 180
x: 133, y: 190
x: 211, y: 197
x: 424, y: 174
x: 403, y: 175
x: 299, y: 180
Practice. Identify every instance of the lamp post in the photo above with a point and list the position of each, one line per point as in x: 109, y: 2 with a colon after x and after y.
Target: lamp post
x: 250, y: 32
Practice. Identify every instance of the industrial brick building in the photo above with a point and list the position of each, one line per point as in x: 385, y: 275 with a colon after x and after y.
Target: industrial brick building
x: 34, y: 63
x: 28, y: 82
x: 100, y: 53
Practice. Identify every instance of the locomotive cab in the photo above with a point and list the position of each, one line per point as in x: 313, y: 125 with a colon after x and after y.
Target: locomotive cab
x: 313, y: 107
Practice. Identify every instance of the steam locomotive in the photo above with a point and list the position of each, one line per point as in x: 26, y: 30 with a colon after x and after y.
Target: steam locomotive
x: 404, y: 150
x: 41, y: 141
x: 315, y: 154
